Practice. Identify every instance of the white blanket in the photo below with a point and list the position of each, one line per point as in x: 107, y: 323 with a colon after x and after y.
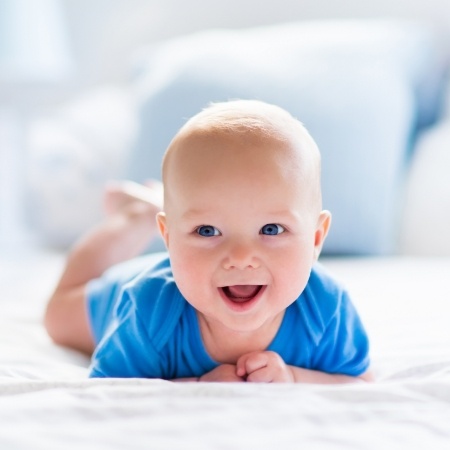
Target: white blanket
x: 47, y: 402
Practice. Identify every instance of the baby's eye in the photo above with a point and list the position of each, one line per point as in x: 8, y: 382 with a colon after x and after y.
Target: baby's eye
x: 207, y: 231
x: 272, y: 229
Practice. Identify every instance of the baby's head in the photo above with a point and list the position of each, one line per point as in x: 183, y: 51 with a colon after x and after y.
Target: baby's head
x: 243, y: 215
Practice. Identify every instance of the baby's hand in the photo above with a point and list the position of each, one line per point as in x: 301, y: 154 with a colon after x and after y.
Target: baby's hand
x: 264, y: 367
x: 223, y: 373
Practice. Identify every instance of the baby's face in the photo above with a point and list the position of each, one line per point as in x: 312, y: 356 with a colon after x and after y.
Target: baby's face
x: 241, y: 228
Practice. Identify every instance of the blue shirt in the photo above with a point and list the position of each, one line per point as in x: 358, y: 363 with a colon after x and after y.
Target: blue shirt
x: 145, y: 327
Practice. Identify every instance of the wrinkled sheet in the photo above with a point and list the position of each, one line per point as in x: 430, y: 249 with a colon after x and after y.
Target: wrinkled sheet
x: 46, y: 400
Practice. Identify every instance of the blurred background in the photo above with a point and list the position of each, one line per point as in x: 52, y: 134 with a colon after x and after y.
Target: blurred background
x: 79, y: 78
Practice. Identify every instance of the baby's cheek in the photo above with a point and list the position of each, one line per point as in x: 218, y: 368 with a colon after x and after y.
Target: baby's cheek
x: 190, y: 275
x: 293, y: 282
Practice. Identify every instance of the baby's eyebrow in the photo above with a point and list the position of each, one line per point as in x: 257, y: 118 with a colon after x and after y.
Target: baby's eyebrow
x: 192, y: 214
x: 205, y: 214
x: 283, y: 214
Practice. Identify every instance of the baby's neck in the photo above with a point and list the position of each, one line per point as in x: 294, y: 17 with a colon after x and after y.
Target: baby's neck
x: 226, y: 346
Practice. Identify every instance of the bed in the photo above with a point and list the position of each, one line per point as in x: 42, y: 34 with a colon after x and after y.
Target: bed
x: 47, y: 401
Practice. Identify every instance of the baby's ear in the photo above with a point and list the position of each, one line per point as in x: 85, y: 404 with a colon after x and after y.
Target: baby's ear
x: 323, y: 225
x: 161, y: 221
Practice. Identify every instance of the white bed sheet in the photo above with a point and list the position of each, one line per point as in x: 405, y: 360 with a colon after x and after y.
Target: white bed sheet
x: 46, y: 400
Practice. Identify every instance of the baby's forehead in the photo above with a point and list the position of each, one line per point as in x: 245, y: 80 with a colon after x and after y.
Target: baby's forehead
x: 219, y: 158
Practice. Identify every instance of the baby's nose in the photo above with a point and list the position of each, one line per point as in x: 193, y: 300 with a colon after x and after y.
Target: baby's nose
x: 241, y: 256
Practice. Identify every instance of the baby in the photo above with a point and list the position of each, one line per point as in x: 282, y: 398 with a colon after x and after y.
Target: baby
x: 239, y: 296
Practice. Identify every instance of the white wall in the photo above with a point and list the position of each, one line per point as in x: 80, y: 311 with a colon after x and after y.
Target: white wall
x: 105, y: 32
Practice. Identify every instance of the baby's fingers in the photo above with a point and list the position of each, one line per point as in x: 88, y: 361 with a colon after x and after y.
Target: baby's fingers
x: 250, y: 362
x: 264, y: 367
x: 263, y: 375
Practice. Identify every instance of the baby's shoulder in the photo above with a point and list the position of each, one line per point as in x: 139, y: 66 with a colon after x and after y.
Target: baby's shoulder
x: 322, y: 282
x: 323, y: 298
x: 156, y: 300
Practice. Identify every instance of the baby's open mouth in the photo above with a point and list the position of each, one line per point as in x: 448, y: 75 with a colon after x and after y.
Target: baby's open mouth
x: 241, y: 293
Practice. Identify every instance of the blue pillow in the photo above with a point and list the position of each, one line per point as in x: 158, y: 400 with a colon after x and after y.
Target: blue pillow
x: 362, y: 88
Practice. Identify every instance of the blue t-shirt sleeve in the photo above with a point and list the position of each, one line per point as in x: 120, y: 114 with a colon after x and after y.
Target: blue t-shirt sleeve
x: 344, y: 346
x: 104, y: 292
x: 126, y: 350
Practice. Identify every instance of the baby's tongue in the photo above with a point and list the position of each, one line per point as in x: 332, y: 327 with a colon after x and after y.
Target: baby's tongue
x: 242, y: 290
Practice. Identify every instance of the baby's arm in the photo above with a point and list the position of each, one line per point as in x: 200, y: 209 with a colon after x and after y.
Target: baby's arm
x: 269, y: 367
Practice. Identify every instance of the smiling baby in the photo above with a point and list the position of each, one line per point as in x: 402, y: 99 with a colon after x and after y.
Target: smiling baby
x: 239, y: 295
